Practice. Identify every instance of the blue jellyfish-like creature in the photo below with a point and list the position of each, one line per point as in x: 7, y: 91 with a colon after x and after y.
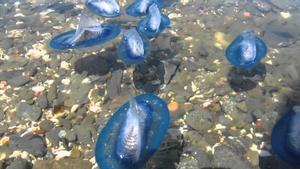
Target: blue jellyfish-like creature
x: 88, y: 33
x: 246, y: 50
x: 285, y: 137
x: 140, y: 7
x: 154, y: 23
x: 134, y: 48
x: 105, y: 8
x: 133, y: 133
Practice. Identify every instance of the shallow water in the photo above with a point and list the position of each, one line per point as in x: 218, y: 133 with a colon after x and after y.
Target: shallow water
x: 225, y: 115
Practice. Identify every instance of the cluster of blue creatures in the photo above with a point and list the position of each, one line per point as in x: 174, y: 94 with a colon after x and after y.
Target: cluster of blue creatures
x: 134, y: 47
x: 138, y: 127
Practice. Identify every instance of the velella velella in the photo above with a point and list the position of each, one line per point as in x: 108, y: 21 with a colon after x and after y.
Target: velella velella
x: 134, y: 48
x: 285, y: 137
x: 246, y: 50
x: 88, y: 33
x: 140, y: 7
x: 154, y: 23
x: 105, y: 8
x: 133, y: 133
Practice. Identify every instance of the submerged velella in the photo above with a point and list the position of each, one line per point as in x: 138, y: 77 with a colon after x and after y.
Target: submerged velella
x: 133, y: 133
x: 285, y: 137
x: 140, y: 7
x: 246, y: 50
x: 105, y: 8
x: 134, y: 48
x: 154, y: 23
x: 88, y: 33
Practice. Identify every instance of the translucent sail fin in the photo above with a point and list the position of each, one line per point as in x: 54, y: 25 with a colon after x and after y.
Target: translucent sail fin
x: 248, y: 46
x: 132, y: 133
x: 134, y: 42
x: 85, y: 21
x: 107, y: 6
x: 87, y: 28
x: 143, y: 5
x: 154, y: 17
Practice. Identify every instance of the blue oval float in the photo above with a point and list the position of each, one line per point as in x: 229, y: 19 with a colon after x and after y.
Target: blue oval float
x: 285, y: 137
x: 133, y: 133
x: 154, y: 23
x: 140, y: 7
x: 134, y: 48
x: 246, y: 50
x: 105, y: 8
x: 88, y: 33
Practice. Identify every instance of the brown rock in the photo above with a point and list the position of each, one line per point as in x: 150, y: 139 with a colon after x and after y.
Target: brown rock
x: 66, y: 163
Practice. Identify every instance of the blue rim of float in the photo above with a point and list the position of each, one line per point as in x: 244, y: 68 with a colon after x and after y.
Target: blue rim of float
x: 99, y: 13
x: 142, y: 26
x: 130, y: 10
x: 278, y: 140
x: 152, y: 145
x: 124, y: 56
x: 109, y: 31
x: 232, y: 52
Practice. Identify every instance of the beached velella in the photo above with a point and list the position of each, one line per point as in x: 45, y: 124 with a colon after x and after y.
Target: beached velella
x: 246, y: 50
x: 88, y: 33
x: 105, y: 8
x: 154, y: 23
x: 286, y: 137
x: 133, y: 48
x: 133, y: 133
x: 140, y: 7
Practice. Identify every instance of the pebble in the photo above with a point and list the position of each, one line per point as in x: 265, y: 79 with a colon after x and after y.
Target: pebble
x: 225, y: 157
x: 65, y: 123
x: 5, y: 152
x: 242, y: 106
x: 52, y: 92
x: 75, y: 153
x: 200, y: 155
x: 66, y: 163
x: 4, y: 140
x: 26, y: 94
x: 187, y: 163
x: 285, y: 15
x: 200, y: 120
x: 3, y: 128
x: 26, y: 111
x: 19, y: 163
x: 252, y: 157
x: 18, y: 81
x: 53, y: 137
x: 90, y: 64
x: 83, y: 134
x: 42, y: 101
x: 46, y: 125
x: 262, y: 6
x: 220, y: 40
x: 33, y: 144
x: 70, y: 135
x: 284, y: 4
x: 32, y: 68
x: 76, y: 97
x: 173, y: 106
x: 278, y: 34
x: 114, y: 84
x: 170, y: 70
x: 62, y: 154
x: 10, y: 74
x: 2, y: 115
